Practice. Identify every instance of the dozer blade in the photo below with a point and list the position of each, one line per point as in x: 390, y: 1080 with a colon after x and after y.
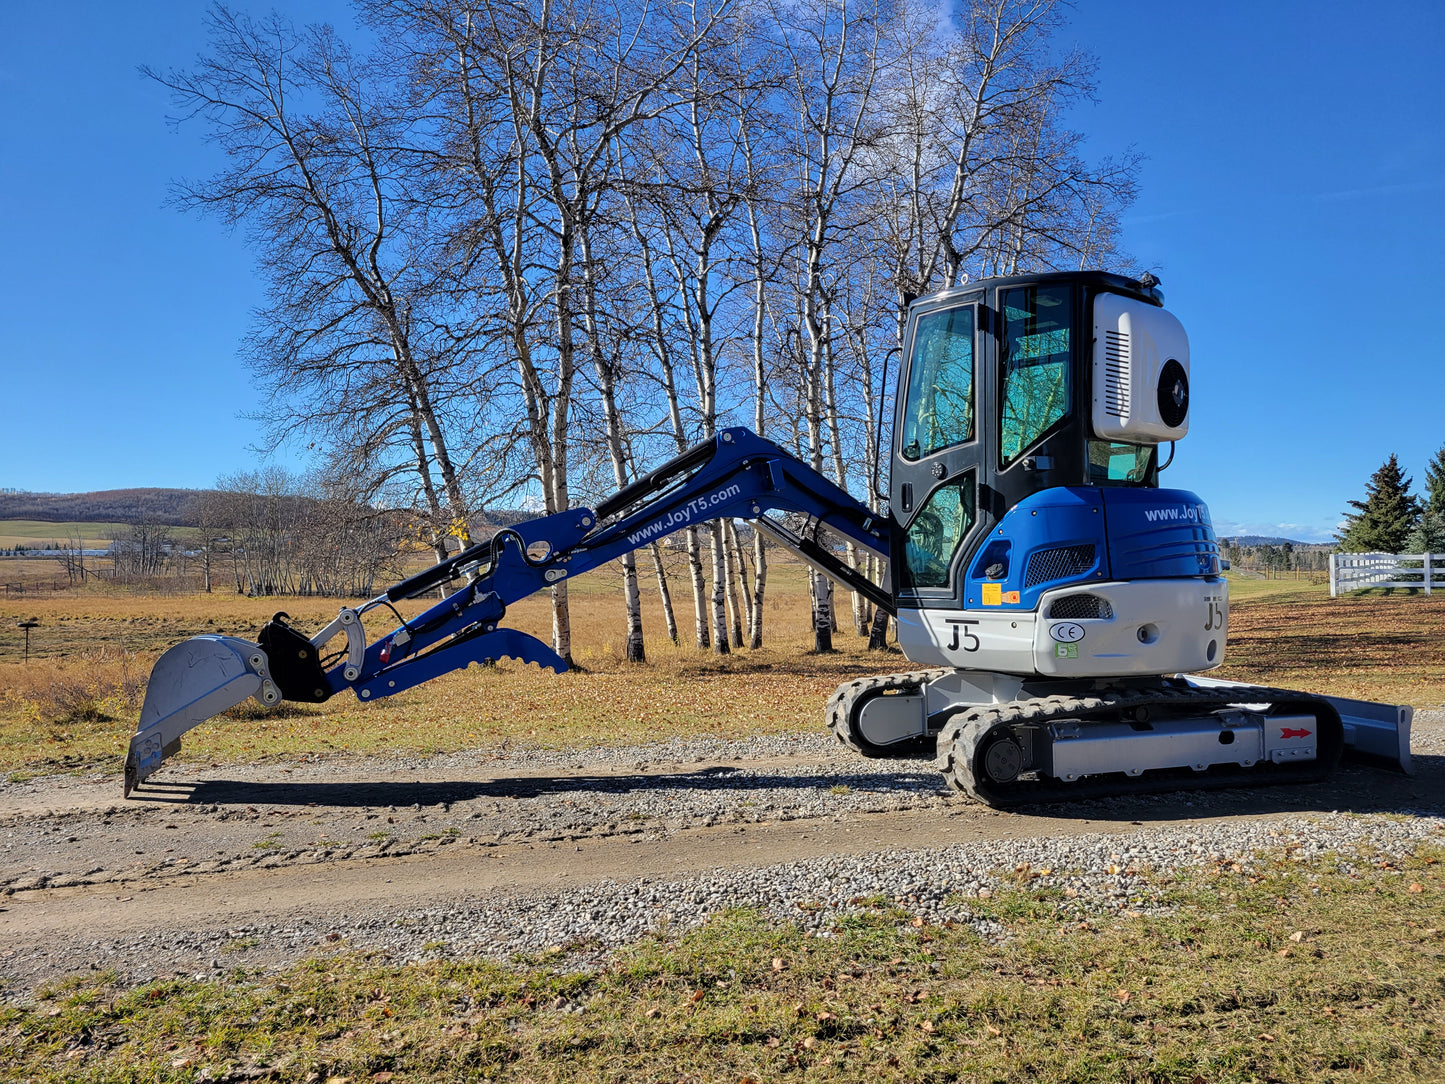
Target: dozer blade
x: 193, y: 681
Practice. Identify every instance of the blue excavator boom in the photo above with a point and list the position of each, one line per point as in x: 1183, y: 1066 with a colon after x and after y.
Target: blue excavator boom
x: 736, y: 474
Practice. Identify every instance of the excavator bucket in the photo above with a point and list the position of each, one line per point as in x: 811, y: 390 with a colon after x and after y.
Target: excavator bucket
x: 193, y: 681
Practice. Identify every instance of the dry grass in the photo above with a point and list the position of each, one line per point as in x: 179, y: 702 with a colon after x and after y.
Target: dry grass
x: 1367, y: 647
x: 77, y: 702
x: 85, y: 637
x: 1288, y: 972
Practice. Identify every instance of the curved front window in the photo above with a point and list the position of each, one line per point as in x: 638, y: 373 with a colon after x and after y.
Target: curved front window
x: 938, y: 411
x: 936, y: 533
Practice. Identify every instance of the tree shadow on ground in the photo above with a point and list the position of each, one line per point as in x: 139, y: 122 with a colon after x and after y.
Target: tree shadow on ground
x: 402, y: 792
x: 1356, y: 787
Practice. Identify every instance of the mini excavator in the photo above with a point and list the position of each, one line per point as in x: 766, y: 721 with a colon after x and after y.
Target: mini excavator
x: 1059, y: 603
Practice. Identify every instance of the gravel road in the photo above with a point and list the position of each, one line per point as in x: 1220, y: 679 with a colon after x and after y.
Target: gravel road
x: 467, y: 854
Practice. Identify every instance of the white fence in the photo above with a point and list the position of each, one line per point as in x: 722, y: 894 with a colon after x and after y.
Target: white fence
x: 1353, y: 571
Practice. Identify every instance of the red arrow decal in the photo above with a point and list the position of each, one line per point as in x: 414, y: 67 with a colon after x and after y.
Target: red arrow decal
x: 1289, y: 732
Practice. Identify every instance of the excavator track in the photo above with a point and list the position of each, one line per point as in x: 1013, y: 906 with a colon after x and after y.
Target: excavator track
x: 841, y: 712
x: 963, y: 743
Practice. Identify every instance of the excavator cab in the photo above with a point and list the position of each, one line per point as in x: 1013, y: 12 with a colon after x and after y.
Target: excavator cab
x: 1028, y: 422
x: 1020, y: 385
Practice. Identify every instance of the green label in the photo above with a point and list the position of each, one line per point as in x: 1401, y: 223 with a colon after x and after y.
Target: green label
x: 1066, y: 651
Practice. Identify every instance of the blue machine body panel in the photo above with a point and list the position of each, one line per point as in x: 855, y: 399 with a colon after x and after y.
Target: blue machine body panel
x: 1052, y: 537
x: 1157, y: 534
x: 1079, y: 534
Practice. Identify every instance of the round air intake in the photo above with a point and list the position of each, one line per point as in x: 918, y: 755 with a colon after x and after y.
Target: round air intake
x: 1173, y: 394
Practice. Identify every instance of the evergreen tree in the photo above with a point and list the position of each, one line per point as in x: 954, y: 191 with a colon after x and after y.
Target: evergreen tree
x: 1385, y: 517
x: 1428, y: 536
x: 1435, y: 485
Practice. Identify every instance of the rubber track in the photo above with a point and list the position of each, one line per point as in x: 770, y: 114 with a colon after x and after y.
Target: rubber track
x: 843, y: 705
x: 966, y: 730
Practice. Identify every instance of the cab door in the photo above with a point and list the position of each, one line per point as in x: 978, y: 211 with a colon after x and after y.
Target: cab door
x: 939, y: 446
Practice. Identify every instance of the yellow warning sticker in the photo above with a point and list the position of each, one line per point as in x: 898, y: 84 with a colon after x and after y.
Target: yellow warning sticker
x: 993, y: 594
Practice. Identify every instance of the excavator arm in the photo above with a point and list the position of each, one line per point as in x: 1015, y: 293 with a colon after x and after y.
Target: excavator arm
x: 736, y: 474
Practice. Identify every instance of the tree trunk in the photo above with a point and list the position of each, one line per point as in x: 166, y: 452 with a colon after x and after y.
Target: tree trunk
x: 664, y: 592
x: 740, y: 558
x: 725, y: 532
x: 719, y: 591
x: 760, y: 584
x: 607, y: 384
x: 878, y: 634
x: 699, y: 588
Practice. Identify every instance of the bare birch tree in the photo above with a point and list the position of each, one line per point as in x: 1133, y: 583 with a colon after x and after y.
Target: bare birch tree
x: 322, y: 195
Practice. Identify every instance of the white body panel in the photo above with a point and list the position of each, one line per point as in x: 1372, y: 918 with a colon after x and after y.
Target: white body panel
x: 1158, y: 627
x: 1132, y: 344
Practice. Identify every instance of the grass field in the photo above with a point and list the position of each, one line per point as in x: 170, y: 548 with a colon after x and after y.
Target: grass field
x: 1283, y: 971
x: 36, y: 533
x: 76, y: 703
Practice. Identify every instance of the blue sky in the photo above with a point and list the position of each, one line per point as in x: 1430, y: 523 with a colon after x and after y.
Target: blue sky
x: 1291, y: 205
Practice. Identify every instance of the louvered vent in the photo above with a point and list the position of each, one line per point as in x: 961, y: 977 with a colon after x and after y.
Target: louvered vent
x: 1076, y: 607
x: 1059, y: 564
x: 1116, y: 373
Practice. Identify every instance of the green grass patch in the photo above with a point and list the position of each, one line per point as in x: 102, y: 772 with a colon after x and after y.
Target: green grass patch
x: 36, y: 534
x: 1283, y: 971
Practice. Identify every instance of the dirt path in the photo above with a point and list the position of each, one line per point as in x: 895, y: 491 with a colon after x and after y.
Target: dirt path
x: 277, y: 858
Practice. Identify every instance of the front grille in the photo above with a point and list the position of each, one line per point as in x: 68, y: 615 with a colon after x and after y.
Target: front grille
x: 1080, y: 607
x: 1059, y: 564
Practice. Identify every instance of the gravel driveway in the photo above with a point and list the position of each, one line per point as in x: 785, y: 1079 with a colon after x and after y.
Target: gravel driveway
x: 480, y: 853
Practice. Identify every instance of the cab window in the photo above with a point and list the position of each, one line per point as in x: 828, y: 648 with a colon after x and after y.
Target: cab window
x: 936, y: 532
x: 939, y: 407
x: 1113, y: 462
x: 1036, y: 366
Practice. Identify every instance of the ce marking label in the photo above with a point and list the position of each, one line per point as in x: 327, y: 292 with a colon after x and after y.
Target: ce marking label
x: 961, y: 629
x: 1067, y: 632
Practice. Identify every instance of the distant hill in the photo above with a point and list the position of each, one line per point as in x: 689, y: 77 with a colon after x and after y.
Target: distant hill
x: 171, y: 507
x: 1268, y: 540
x: 168, y: 507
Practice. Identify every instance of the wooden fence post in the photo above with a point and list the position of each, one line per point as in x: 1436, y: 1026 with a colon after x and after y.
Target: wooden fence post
x: 1334, y: 581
